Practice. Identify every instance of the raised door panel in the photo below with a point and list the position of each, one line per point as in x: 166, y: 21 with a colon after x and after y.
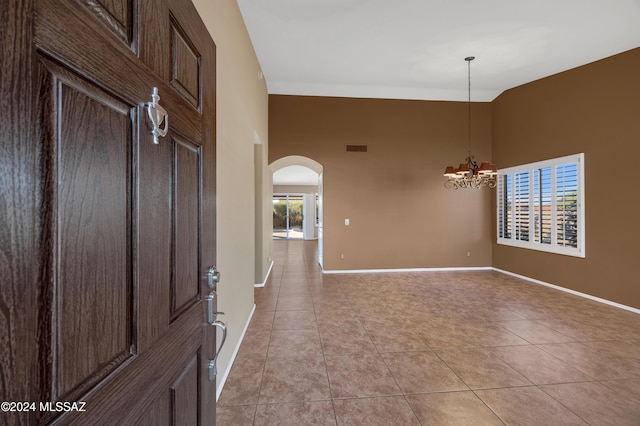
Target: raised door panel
x: 185, y: 395
x: 185, y: 287
x: 185, y: 65
x: 94, y: 294
x: 158, y: 413
x: 117, y: 15
x: 91, y: 311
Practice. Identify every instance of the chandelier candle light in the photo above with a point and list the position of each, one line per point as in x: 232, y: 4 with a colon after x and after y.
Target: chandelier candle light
x: 469, y: 174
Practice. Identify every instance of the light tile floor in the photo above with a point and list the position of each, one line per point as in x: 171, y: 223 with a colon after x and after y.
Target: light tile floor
x: 428, y: 348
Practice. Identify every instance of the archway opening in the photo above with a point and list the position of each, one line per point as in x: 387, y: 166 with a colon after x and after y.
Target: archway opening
x: 297, y: 199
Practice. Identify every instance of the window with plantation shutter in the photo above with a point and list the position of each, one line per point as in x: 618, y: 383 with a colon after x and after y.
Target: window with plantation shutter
x: 541, y: 206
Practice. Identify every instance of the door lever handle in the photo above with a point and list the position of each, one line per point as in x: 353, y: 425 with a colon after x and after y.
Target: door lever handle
x: 213, y: 370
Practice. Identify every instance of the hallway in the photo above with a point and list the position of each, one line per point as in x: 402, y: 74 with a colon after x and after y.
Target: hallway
x: 428, y: 348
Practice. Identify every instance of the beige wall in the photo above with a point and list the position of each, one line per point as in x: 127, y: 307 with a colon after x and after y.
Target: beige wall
x: 242, y: 104
x: 593, y: 109
x: 263, y: 215
x: 400, y: 213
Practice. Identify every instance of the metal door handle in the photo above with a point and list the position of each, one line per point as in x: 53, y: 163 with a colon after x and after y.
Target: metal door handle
x: 213, y: 370
x: 213, y: 277
x: 210, y: 314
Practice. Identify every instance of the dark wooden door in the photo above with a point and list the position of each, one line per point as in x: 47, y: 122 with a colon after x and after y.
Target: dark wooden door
x: 106, y: 236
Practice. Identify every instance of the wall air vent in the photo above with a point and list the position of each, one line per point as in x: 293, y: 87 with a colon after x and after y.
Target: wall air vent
x: 356, y: 148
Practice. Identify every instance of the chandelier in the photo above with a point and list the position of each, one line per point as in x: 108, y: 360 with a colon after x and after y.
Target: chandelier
x: 469, y: 174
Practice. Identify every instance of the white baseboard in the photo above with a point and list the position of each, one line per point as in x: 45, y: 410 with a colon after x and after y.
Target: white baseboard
x: 568, y: 290
x: 375, y: 271
x: 262, y: 284
x: 223, y: 380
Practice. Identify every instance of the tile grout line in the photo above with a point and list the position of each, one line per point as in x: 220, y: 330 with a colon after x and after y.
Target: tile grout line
x: 266, y: 355
x: 324, y: 359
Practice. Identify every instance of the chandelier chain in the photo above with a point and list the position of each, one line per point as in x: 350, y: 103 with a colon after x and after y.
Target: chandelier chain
x: 469, y: 103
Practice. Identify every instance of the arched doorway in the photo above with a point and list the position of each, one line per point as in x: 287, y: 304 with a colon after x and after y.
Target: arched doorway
x: 298, y: 179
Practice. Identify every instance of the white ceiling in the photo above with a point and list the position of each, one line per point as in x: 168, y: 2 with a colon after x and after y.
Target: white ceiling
x: 295, y: 175
x: 415, y: 49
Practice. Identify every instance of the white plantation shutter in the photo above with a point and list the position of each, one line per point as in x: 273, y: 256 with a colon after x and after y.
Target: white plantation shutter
x: 567, y: 204
x: 501, y: 225
x: 541, y: 206
x: 521, y: 207
x: 504, y: 209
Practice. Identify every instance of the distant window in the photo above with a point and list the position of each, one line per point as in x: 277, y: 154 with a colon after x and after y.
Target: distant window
x: 541, y: 206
